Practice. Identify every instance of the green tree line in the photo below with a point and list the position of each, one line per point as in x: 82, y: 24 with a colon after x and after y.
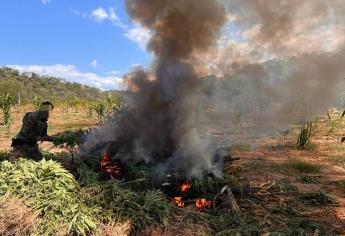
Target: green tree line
x: 26, y: 86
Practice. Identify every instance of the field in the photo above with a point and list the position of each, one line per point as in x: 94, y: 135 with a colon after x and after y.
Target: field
x: 62, y: 118
x: 301, y: 192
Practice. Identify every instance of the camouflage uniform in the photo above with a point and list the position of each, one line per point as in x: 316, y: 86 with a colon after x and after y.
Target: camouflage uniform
x: 25, y: 143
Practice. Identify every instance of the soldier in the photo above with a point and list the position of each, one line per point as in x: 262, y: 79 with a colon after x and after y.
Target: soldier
x: 34, y: 129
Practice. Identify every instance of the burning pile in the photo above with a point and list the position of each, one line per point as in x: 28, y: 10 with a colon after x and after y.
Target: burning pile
x: 181, y: 190
x: 184, y: 199
x: 160, y: 127
x: 165, y: 98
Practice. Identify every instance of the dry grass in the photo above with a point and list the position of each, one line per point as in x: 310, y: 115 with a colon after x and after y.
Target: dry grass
x: 302, y: 166
x: 113, y: 229
x: 15, y: 218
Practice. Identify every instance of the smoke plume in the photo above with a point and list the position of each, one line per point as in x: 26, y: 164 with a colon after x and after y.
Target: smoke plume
x: 229, y: 66
x: 161, y: 126
x: 287, y: 56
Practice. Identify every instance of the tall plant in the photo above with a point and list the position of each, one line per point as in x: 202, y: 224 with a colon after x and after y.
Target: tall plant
x: 112, y: 105
x: 106, y: 109
x: 7, y: 101
x: 100, y: 110
x: 37, y: 102
x: 305, y: 135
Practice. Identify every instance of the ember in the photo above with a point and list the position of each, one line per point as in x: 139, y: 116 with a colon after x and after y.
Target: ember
x: 202, y: 203
x: 177, y: 201
x: 185, y: 187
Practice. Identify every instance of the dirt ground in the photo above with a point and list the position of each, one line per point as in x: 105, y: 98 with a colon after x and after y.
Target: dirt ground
x: 263, y: 162
x: 275, y: 160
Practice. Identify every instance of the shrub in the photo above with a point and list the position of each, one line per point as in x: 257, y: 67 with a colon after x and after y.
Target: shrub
x: 7, y: 101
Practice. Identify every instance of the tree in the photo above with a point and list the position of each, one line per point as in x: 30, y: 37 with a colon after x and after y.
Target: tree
x: 7, y: 101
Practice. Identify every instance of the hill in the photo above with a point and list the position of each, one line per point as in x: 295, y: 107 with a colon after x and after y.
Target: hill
x: 28, y: 85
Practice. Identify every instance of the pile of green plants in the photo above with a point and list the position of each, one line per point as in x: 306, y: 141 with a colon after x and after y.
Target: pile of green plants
x: 52, y: 192
x: 143, y: 209
x: 61, y: 203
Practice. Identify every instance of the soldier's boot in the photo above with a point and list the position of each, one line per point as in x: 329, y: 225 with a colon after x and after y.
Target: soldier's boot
x: 36, y: 155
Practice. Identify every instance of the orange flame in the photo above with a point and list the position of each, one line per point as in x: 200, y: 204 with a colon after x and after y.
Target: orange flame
x: 177, y: 201
x: 112, y: 169
x: 202, y: 203
x: 185, y: 187
x: 105, y: 159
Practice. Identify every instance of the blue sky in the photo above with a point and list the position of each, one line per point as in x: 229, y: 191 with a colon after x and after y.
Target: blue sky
x: 87, y: 41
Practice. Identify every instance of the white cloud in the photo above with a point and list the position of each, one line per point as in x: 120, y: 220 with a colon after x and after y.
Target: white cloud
x: 94, y: 63
x: 72, y: 74
x: 112, y: 15
x: 45, y: 1
x: 135, y: 33
x: 139, y: 35
x: 100, y: 14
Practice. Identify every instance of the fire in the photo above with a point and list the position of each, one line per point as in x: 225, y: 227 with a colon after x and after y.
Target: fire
x: 111, y: 168
x: 185, y: 187
x: 202, y: 203
x: 177, y: 201
x: 105, y: 159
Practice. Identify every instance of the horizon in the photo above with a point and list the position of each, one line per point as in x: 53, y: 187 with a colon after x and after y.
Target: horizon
x: 92, y: 43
